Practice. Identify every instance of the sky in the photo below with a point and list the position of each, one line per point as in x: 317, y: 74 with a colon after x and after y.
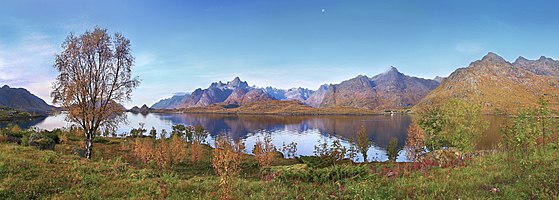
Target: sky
x: 183, y: 45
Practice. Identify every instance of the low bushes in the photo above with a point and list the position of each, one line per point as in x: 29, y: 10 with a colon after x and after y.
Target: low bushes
x: 163, y: 153
x: 41, y: 141
x: 44, y: 140
x: 325, y: 175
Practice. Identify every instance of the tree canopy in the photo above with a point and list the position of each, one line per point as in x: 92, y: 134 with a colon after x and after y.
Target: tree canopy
x: 95, y: 77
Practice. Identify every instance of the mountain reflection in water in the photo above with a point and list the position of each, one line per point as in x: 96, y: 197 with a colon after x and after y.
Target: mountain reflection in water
x: 306, y: 131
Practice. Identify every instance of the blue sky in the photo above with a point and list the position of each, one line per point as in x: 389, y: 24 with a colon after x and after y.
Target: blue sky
x: 183, y: 45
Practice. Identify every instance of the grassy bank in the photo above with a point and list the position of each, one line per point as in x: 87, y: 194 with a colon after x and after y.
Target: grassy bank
x: 26, y: 172
x: 9, y: 114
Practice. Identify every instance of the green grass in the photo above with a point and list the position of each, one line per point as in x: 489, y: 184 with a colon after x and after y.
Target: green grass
x: 28, y: 173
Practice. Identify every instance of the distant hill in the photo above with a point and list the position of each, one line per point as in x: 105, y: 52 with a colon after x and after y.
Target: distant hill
x: 389, y: 90
x: 172, y: 102
x: 143, y: 110
x: 500, y: 86
x: 21, y: 99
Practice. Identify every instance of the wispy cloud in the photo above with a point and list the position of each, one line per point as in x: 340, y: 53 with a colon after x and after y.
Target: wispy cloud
x: 28, y: 63
x: 469, y: 47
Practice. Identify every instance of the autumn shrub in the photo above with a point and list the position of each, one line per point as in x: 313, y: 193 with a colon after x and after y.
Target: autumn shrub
x: 226, y: 162
x: 198, y: 138
x: 415, y: 143
x: 3, y: 138
x: 163, y: 153
x: 14, y: 128
x: 177, y: 149
x: 196, y: 152
x: 144, y: 149
x: 264, y: 151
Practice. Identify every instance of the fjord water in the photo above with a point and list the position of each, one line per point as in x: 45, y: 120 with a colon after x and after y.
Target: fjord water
x: 306, y: 131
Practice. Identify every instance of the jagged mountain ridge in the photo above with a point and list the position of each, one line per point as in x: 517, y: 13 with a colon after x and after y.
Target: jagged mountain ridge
x: 543, y: 66
x: 500, y: 86
x: 233, y: 92
x: 299, y: 93
x: 388, y: 90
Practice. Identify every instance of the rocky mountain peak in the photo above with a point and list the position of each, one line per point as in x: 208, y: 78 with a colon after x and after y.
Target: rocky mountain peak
x: 520, y: 59
x: 392, y: 75
x: 493, y: 58
x: 236, y: 80
x: 543, y: 58
x: 237, y: 83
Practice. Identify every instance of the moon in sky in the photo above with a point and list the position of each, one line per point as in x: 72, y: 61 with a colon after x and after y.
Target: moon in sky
x: 323, y: 10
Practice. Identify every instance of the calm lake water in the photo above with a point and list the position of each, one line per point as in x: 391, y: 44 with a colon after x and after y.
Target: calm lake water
x: 306, y: 131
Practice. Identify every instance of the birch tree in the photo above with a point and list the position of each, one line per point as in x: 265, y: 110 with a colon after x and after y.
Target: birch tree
x: 95, y: 77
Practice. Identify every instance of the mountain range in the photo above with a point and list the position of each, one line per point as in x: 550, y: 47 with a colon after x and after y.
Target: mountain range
x: 500, y: 86
x: 235, y: 92
x: 389, y: 90
x: 497, y: 85
x: 21, y: 99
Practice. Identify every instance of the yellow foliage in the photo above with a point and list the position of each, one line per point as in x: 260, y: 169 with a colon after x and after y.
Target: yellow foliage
x: 163, y: 152
x: 415, y: 142
x: 226, y: 161
x: 264, y: 151
x: 195, y: 152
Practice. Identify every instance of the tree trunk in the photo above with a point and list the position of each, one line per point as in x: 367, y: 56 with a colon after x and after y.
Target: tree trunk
x: 88, y: 145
